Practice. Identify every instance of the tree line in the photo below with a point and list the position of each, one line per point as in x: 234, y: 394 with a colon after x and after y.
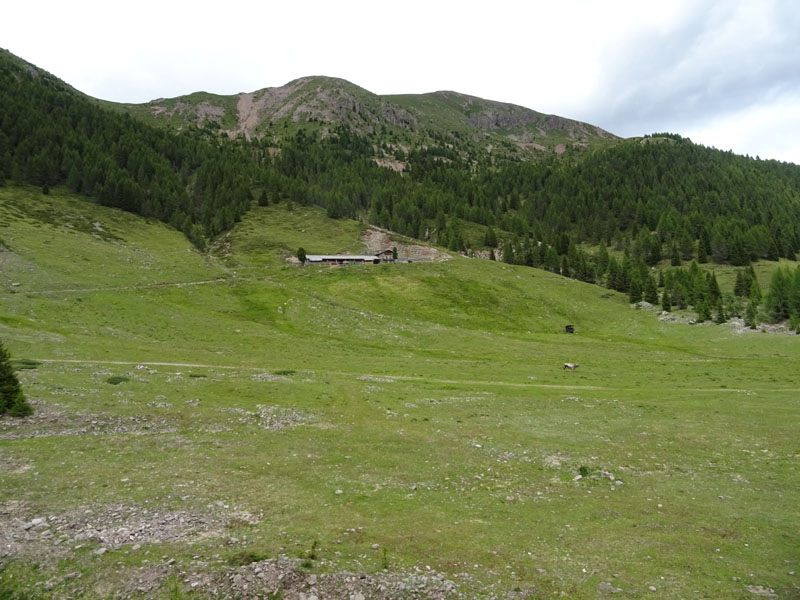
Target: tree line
x: 657, y: 198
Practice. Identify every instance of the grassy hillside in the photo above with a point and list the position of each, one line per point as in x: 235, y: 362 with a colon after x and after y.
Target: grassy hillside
x: 208, y: 423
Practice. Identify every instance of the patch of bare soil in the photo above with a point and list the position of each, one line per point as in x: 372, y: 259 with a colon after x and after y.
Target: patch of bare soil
x: 737, y: 324
x: 50, y: 419
x: 393, y: 164
x: 271, y: 102
x: 560, y: 149
x: 46, y: 538
x: 248, y: 115
x: 272, y: 418
x: 13, y: 464
x: 284, y: 578
x: 377, y: 239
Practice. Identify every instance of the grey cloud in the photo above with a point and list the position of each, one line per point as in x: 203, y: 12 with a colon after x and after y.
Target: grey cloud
x: 699, y: 70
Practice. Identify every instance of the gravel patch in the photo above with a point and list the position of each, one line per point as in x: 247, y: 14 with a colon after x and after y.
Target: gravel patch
x: 51, y: 419
x: 284, y: 578
x: 272, y: 418
x: 109, y: 527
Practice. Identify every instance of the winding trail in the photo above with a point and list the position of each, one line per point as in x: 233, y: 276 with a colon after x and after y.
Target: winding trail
x: 397, y: 378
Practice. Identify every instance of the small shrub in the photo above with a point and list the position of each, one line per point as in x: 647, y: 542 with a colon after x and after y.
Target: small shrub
x: 117, y: 379
x: 241, y: 559
x: 24, y: 363
x: 12, y: 400
x: 312, y: 554
x: 583, y: 470
x: 285, y: 372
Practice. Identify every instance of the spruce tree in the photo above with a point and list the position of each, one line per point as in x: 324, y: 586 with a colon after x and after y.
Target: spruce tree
x: 755, y: 291
x: 650, y: 290
x: 675, y: 257
x: 778, y: 297
x: 12, y: 400
x: 666, y: 302
x: 635, y: 293
x: 703, y: 311
x: 742, y: 285
x: 719, y: 313
x: 751, y: 314
x: 714, y: 292
x: 490, y: 238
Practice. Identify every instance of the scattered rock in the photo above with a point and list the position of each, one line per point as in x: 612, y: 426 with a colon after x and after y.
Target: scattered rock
x: 605, y: 587
x: 760, y: 590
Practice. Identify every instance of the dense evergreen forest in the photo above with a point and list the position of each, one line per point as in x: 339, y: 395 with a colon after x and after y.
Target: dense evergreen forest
x: 660, y: 197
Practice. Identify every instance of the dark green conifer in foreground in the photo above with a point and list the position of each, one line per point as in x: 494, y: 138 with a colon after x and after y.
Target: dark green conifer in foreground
x: 12, y: 400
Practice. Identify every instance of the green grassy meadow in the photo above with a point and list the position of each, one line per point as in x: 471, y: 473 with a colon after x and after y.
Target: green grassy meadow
x: 400, y: 416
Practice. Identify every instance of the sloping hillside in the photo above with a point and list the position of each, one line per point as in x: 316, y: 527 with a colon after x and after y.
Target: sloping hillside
x: 225, y: 426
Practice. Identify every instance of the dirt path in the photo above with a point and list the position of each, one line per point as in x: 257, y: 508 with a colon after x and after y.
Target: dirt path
x: 74, y: 361
x: 393, y: 378
x: 122, y: 288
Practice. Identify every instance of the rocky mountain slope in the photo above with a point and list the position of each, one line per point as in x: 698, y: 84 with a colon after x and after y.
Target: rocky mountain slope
x: 411, y: 119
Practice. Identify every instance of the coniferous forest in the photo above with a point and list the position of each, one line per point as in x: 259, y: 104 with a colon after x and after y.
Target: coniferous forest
x: 655, y: 198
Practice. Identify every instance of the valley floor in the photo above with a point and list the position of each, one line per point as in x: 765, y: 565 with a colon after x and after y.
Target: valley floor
x: 402, y: 431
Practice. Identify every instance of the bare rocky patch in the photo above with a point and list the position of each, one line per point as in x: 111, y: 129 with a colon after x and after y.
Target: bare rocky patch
x: 13, y: 464
x: 376, y: 239
x: 51, y: 419
x: 284, y: 578
x: 391, y: 163
x: 104, y: 528
x: 272, y: 418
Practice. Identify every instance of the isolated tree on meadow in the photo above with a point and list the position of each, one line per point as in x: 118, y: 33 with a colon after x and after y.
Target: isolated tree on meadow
x: 301, y: 255
x: 12, y: 400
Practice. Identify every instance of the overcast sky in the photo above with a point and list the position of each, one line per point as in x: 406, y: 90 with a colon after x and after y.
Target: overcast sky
x: 724, y: 73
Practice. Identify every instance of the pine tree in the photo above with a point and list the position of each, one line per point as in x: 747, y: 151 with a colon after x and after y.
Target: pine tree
x: 742, y: 285
x: 714, y: 292
x: 778, y: 304
x: 751, y: 315
x: 755, y: 291
x: 666, y: 302
x: 719, y: 313
x: 675, y: 257
x: 703, y: 311
x: 490, y: 238
x: 650, y: 290
x: 12, y: 400
x: 602, y: 259
x: 635, y: 294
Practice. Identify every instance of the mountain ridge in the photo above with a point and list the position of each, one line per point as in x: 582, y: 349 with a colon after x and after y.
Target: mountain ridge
x: 324, y: 101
